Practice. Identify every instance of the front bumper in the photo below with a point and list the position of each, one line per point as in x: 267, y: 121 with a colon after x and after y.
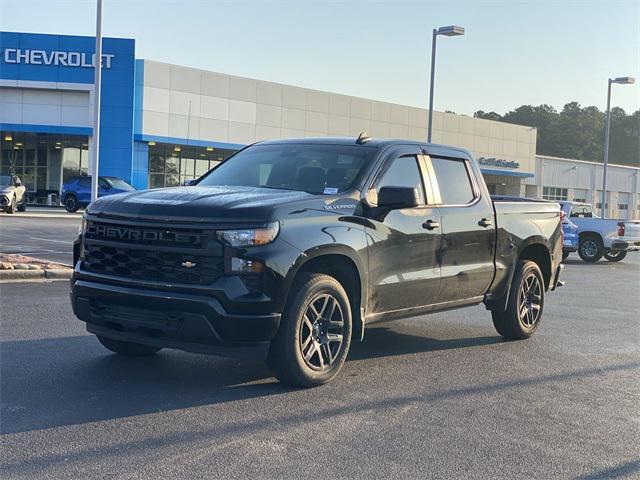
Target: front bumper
x: 194, y: 323
x: 631, y: 245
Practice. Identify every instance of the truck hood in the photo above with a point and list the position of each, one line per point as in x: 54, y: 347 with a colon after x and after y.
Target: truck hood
x: 199, y: 204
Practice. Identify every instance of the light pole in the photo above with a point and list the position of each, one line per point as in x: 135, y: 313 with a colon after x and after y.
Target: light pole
x: 624, y: 81
x: 97, y: 84
x: 449, y: 31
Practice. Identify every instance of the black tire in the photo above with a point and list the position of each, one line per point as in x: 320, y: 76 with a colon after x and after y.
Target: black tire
x: 515, y: 323
x: 128, y: 349
x: 12, y: 206
x: 590, y: 248
x: 615, y: 255
x: 565, y: 255
x: 23, y: 206
x: 71, y: 203
x: 317, y: 336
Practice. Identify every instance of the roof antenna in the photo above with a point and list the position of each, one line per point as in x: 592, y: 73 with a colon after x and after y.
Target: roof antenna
x: 363, y: 138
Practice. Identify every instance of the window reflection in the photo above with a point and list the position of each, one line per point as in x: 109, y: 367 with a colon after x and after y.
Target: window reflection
x: 171, y: 165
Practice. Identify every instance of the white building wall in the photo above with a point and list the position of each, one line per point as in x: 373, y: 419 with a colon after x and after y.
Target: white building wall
x: 44, y: 107
x: 185, y: 103
x: 583, y: 180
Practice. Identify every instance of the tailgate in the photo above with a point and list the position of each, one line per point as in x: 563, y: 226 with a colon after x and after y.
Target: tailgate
x: 631, y: 230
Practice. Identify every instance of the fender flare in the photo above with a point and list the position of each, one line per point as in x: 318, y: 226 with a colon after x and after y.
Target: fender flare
x: 500, y: 304
x: 339, y: 250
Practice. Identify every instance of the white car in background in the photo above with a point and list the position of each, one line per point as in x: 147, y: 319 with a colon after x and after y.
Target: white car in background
x: 12, y: 194
x: 600, y: 237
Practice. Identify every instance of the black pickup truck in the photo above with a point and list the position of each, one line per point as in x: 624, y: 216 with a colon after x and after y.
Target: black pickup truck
x: 289, y: 249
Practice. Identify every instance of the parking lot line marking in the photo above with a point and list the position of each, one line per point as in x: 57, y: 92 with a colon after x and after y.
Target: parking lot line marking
x: 50, y: 240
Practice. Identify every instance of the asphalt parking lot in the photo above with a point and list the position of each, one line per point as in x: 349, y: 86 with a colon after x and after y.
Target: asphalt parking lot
x: 432, y: 397
x: 43, y: 233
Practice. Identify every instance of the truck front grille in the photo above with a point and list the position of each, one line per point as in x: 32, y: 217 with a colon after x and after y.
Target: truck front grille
x: 159, y: 254
x: 152, y: 265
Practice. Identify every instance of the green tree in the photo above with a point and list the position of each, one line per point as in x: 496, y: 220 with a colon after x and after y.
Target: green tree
x: 578, y: 132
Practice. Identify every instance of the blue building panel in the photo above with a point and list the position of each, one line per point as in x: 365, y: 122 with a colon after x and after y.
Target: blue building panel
x: 64, y: 58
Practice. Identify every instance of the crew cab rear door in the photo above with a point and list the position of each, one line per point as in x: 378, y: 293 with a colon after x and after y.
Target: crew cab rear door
x: 404, y: 270
x: 468, y: 229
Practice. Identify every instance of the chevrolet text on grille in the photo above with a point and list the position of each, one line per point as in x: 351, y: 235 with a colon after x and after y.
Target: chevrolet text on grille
x: 125, y: 233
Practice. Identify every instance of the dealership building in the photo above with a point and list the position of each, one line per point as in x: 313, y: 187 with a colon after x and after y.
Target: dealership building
x: 161, y: 124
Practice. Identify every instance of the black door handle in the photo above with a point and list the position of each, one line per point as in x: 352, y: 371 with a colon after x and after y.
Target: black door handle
x: 485, y: 223
x: 430, y: 225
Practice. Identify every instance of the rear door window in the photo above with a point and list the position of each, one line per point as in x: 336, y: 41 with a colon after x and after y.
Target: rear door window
x: 453, y: 181
x: 581, y: 211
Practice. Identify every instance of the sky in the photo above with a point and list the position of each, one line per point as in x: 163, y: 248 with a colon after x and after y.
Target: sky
x: 513, y: 52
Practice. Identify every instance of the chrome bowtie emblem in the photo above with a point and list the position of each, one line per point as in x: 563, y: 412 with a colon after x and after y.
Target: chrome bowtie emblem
x: 188, y: 264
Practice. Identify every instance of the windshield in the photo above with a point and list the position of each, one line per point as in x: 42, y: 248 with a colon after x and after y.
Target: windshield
x: 313, y: 168
x: 119, y: 184
x: 6, y: 181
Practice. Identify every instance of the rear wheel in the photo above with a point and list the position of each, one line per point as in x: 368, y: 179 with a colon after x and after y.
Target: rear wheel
x: 128, y: 349
x: 315, y: 333
x: 615, y: 255
x: 591, y: 249
x: 524, y: 307
x: 71, y: 203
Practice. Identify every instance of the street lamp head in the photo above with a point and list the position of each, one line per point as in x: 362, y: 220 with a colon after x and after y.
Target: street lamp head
x: 450, y: 31
x: 624, y: 80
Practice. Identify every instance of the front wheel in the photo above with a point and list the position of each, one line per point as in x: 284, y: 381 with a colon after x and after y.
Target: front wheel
x: 524, y: 307
x: 313, y: 340
x: 71, y: 203
x: 565, y: 255
x: 615, y: 255
x: 23, y: 206
x: 128, y: 349
x: 12, y: 206
x: 590, y: 249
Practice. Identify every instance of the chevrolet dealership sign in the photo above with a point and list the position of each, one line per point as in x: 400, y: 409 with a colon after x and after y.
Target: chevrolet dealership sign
x: 498, y: 162
x: 53, y: 58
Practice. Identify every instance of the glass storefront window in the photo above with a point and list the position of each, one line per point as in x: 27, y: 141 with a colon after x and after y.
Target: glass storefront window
x: 70, y: 163
x: 39, y: 159
x: 171, y: 165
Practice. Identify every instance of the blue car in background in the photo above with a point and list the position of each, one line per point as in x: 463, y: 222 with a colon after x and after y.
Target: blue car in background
x: 571, y: 239
x: 76, y: 193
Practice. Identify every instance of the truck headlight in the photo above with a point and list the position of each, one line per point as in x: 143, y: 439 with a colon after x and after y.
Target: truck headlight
x: 83, y: 227
x: 248, y: 237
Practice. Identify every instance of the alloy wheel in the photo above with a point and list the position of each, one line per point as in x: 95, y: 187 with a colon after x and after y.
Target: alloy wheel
x: 589, y: 248
x: 70, y: 203
x: 530, y: 300
x: 321, y: 332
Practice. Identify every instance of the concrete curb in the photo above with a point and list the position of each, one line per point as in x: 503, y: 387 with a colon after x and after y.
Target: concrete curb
x: 70, y: 216
x: 39, y: 274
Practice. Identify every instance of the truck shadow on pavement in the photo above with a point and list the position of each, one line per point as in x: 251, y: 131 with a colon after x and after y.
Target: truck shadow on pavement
x: 73, y: 380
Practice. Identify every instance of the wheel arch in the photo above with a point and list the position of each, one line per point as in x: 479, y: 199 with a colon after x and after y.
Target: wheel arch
x: 535, y: 249
x: 590, y: 233
x: 539, y: 254
x: 346, y: 267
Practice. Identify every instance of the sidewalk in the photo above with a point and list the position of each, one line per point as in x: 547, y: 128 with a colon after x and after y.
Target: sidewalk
x: 45, y: 212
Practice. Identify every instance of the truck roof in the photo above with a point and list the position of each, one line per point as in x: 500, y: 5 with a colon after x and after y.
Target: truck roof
x: 430, y: 148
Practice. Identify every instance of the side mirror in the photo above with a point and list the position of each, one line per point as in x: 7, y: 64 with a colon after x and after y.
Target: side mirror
x: 17, y: 182
x: 395, y: 198
x: 189, y: 182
